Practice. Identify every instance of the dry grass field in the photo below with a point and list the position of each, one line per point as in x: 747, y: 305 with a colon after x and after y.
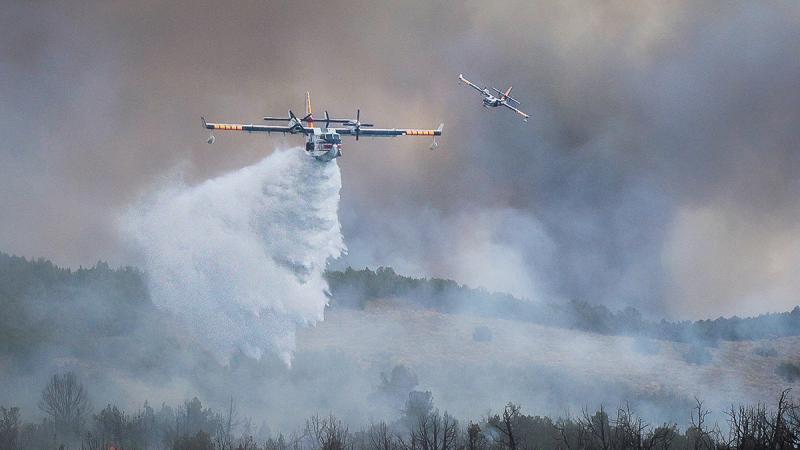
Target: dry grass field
x: 441, y: 349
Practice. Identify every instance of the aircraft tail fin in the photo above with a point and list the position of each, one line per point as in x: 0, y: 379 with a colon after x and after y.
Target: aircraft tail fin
x: 506, y: 95
x: 309, y: 114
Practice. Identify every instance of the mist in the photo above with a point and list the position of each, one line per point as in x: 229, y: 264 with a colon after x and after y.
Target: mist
x: 656, y: 179
x: 240, y: 258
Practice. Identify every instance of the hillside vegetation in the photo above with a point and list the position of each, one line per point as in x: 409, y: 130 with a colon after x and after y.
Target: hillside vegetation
x: 80, y: 309
x: 357, y: 288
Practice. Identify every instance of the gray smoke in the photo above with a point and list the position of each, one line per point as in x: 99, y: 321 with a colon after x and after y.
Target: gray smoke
x: 658, y: 169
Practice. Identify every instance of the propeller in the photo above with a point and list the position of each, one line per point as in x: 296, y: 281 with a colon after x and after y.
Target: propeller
x: 298, y: 126
x: 356, y: 124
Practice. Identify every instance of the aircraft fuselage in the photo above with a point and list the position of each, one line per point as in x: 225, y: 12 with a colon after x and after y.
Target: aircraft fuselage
x: 492, y: 101
x: 323, y: 144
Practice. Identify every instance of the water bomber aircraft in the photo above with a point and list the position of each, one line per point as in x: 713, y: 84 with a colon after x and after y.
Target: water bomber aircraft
x: 323, y: 143
x: 490, y: 101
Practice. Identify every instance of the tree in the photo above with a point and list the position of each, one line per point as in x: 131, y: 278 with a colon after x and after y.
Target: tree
x: 328, y: 433
x: 224, y: 439
x: 475, y: 439
x: 396, y: 385
x: 599, y: 427
x: 200, y: 441
x: 418, y: 405
x: 505, y: 424
x: 380, y: 438
x: 9, y: 428
x: 433, y: 431
x: 698, y: 434
x: 66, y: 403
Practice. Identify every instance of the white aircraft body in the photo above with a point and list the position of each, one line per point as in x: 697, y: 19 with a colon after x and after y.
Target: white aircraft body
x: 490, y: 101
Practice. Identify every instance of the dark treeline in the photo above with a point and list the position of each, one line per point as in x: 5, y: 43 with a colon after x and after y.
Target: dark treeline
x: 85, y: 308
x: 68, y: 422
x: 357, y: 288
x: 89, y: 313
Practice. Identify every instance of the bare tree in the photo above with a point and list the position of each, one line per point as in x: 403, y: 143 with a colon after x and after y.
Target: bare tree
x: 224, y: 439
x: 632, y: 432
x: 449, y: 432
x: 426, y: 432
x: 781, y: 435
x: 328, y: 433
x: 755, y: 427
x: 563, y: 425
x: 505, y: 424
x: 380, y: 438
x: 66, y: 403
x: 598, y: 426
x: 629, y: 430
x: 699, y: 434
x: 662, y: 437
x: 434, y: 431
x: 245, y: 443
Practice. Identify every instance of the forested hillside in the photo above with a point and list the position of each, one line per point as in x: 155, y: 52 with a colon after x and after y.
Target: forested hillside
x: 84, y: 309
x: 357, y: 288
x: 96, y: 313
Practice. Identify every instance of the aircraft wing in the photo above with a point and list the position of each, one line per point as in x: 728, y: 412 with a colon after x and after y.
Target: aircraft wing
x: 524, y: 116
x: 250, y: 128
x: 470, y: 84
x: 390, y: 132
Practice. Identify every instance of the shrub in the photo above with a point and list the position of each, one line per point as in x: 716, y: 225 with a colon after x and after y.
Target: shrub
x: 697, y: 354
x: 200, y: 441
x: 789, y: 371
x: 765, y: 351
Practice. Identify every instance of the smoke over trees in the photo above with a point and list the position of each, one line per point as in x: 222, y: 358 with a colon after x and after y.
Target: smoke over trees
x: 193, y: 426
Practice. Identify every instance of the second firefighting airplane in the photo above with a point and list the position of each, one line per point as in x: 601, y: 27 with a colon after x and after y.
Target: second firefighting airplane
x: 490, y: 101
x: 323, y: 143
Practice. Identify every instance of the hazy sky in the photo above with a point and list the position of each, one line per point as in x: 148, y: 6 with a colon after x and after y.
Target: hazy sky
x: 659, y: 168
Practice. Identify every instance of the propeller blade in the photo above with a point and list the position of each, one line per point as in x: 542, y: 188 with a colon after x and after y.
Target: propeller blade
x: 327, y: 119
x: 358, y: 115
